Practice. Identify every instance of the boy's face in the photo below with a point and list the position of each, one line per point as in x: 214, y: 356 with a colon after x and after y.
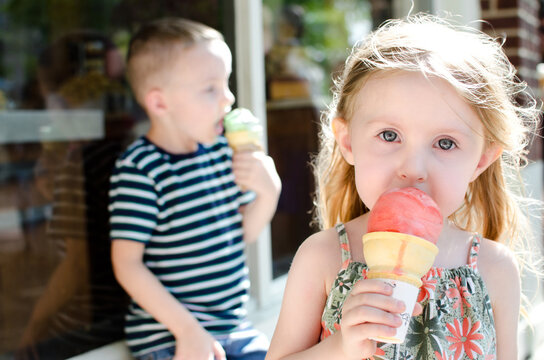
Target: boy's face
x: 196, y: 92
x: 408, y: 130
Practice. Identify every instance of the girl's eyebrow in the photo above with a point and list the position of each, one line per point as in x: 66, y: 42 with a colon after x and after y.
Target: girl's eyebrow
x: 379, y: 119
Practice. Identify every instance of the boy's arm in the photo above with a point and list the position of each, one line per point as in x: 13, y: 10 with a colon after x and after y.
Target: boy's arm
x: 192, y: 340
x: 256, y: 171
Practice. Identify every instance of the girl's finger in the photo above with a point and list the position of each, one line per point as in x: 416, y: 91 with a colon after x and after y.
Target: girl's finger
x: 369, y: 314
x: 379, y: 301
x: 372, y: 285
x: 367, y: 330
x: 418, y: 309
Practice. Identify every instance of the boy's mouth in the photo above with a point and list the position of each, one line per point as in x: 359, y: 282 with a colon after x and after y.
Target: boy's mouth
x: 219, y: 128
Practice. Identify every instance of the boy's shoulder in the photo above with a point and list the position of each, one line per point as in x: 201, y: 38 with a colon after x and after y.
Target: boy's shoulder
x: 138, y: 149
x: 143, y: 153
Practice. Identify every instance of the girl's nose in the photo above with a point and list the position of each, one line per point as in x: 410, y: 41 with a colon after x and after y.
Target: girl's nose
x: 413, y: 168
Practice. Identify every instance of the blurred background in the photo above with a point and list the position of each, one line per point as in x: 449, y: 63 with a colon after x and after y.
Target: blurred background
x: 66, y: 113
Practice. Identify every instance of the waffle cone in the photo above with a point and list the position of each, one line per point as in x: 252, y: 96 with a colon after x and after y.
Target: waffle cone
x: 244, y: 140
x: 397, y: 256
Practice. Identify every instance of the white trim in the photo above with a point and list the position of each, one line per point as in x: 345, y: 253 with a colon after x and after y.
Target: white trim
x: 117, y: 350
x: 21, y: 126
x: 251, y: 95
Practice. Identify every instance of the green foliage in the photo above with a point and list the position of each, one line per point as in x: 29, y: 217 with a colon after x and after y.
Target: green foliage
x: 54, y: 16
x: 329, y: 26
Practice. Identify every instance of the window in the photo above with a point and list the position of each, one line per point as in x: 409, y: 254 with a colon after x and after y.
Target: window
x: 66, y: 113
x: 305, y: 42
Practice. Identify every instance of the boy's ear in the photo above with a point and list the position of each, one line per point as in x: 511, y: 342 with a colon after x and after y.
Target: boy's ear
x: 341, y: 133
x: 154, y: 102
x: 488, y: 157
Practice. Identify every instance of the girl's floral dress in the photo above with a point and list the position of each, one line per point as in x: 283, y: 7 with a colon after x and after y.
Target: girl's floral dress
x: 457, y: 319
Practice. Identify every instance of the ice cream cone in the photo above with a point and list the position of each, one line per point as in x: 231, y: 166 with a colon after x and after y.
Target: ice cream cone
x: 391, y: 255
x: 400, y: 260
x: 243, y: 130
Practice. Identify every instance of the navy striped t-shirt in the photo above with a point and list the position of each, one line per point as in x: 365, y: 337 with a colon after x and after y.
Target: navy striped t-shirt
x: 184, y: 208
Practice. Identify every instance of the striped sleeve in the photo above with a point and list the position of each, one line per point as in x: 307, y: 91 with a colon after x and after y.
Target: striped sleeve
x: 133, y: 203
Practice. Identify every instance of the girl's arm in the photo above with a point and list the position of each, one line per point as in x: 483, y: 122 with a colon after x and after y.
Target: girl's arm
x: 298, y: 329
x: 502, y: 278
x: 256, y: 171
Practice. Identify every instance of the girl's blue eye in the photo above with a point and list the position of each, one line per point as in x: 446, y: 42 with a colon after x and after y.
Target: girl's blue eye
x: 446, y: 144
x: 388, y: 135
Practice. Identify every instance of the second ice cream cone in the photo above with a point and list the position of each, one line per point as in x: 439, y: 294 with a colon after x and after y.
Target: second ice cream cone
x: 243, y: 131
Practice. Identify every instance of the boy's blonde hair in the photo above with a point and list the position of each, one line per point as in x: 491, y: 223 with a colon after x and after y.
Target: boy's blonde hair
x: 153, y: 48
x: 476, y: 66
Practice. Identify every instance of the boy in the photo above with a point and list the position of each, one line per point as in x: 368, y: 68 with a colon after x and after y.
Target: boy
x: 179, y: 220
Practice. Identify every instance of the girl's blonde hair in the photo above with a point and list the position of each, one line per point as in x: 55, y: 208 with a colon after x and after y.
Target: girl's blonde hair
x: 476, y: 66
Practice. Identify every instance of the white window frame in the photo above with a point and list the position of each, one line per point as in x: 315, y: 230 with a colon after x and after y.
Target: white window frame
x: 250, y: 79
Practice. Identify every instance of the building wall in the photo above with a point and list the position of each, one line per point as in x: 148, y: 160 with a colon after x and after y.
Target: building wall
x: 519, y: 21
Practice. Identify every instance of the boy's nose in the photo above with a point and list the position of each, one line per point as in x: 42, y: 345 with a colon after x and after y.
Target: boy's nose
x: 228, y: 98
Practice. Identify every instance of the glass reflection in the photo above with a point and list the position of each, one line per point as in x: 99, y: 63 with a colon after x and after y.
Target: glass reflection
x: 59, y: 297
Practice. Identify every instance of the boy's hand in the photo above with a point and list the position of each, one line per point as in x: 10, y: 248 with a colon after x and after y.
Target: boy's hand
x: 369, y: 311
x: 198, y: 344
x: 256, y: 171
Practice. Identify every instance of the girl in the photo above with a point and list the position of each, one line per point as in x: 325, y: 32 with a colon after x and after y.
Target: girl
x: 420, y: 103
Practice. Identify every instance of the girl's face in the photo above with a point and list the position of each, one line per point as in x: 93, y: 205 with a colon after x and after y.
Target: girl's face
x: 408, y: 130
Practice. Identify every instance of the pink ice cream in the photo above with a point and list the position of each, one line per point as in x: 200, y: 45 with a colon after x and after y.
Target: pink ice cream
x: 408, y: 211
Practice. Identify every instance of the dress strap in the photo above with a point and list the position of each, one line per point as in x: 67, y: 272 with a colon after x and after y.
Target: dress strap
x: 474, y: 250
x: 344, y: 244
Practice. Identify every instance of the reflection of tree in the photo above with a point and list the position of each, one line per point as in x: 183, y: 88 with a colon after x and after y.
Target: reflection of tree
x: 290, y: 71
x: 34, y: 24
x: 329, y: 27
x: 55, y: 17
x: 130, y: 13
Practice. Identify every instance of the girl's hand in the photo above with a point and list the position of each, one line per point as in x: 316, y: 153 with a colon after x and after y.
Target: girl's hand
x: 256, y: 171
x: 369, y: 311
x: 199, y: 345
